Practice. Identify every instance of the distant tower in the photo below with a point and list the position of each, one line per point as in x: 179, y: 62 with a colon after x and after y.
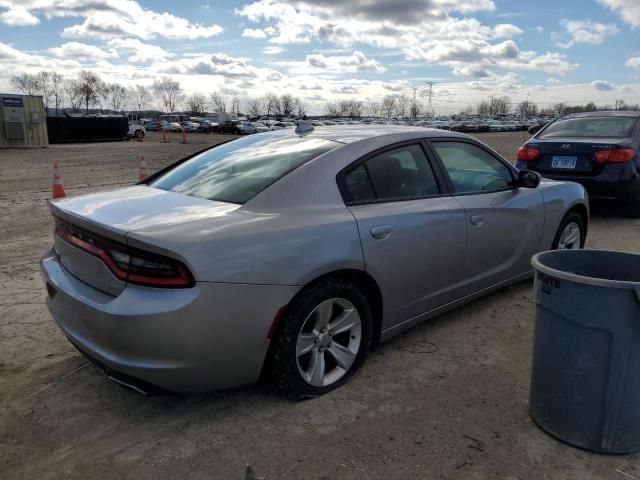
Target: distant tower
x: 430, y: 111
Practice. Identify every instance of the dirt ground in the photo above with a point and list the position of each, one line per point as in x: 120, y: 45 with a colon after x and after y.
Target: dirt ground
x: 445, y: 400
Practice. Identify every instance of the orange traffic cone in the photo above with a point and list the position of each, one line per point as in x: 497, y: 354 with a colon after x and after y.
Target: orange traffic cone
x: 143, y: 169
x: 184, y: 136
x: 57, y: 191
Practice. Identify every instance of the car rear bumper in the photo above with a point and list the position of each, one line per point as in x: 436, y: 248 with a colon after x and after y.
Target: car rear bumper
x: 209, y: 337
x: 612, y: 183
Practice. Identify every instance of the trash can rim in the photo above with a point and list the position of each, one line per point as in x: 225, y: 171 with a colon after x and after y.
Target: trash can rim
x: 572, y: 277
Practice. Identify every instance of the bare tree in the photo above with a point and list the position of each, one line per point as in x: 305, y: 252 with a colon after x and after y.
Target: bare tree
x: 371, y: 109
x: 332, y: 109
x: 271, y: 104
x: 300, y: 108
x: 116, y: 95
x: 169, y: 91
x: 90, y: 87
x: 196, y: 103
x: 483, y: 109
x: 25, y: 83
x: 43, y: 87
x: 499, y: 105
x: 56, y: 89
x: 560, y: 108
x: 235, y: 104
x: 253, y: 107
x: 388, y: 106
x: 287, y: 104
x: 621, y: 105
x: 72, y: 89
x: 140, y: 98
x: 527, y: 109
x: 352, y: 108
x: 415, y: 107
x: 402, y: 104
x: 218, y: 103
x: 467, y: 112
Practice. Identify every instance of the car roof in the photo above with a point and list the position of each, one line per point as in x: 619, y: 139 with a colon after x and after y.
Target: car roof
x: 604, y: 113
x: 354, y: 133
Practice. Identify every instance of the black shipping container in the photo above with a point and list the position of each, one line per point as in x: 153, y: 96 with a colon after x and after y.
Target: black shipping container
x: 86, y: 129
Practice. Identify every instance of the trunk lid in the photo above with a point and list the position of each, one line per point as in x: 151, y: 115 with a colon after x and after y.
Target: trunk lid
x: 571, y: 151
x: 104, y: 219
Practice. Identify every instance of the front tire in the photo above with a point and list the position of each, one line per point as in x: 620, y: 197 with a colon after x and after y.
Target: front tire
x: 322, y: 340
x: 571, y: 233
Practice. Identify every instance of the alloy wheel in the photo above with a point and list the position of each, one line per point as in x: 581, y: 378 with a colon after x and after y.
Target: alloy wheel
x: 328, y: 342
x: 570, y: 237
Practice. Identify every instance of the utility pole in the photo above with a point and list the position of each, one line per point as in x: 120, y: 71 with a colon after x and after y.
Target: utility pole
x: 430, y: 111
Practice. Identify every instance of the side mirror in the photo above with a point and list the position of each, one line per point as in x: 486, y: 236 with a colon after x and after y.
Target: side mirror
x: 529, y: 179
x: 534, y: 129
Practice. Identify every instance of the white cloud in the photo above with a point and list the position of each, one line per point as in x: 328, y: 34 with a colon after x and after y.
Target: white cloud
x: 633, y: 62
x: 586, y: 31
x: 17, y: 16
x: 254, y: 33
x: 629, y: 10
x: 539, y: 29
x: 217, y: 64
x: 82, y: 51
x: 356, y: 62
x: 139, y: 52
x: 107, y: 19
x: 602, y: 85
x: 272, y: 50
x: 553, y: 81
x: 506, y: 30
x: 477, y: 86
x: 467, y: 46
x: 345, y: 90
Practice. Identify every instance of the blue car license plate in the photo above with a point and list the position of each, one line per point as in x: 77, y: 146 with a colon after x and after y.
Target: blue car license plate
x: 564, y: 162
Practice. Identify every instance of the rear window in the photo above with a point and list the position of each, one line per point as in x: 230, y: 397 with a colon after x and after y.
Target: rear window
x: 609, y: 127
x: 237, y: 171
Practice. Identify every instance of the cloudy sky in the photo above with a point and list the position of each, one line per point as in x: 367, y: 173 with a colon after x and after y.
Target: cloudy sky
x: 321, y: 50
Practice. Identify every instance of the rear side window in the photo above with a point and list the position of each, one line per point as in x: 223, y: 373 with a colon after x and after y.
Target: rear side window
x: 605, y: 127
x: 237, y: 171
x: 403, y: 172
x: 471, y: 169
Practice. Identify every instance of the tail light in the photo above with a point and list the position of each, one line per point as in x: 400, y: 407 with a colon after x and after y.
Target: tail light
x: 527, y: 153
x: 614, y: 155
x: 128, y: 264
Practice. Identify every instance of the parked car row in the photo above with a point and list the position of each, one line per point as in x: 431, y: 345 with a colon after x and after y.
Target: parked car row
x: 245, y: 127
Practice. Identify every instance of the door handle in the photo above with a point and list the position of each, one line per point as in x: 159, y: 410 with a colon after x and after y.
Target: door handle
x: 476, y: 220
x: 380, y: 232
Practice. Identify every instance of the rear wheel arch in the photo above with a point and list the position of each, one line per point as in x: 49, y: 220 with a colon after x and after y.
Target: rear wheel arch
x: 367, y: 285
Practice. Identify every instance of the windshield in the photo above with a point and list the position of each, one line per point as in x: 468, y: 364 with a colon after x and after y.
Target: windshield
x: 237, y: 171
x: 605, y: 127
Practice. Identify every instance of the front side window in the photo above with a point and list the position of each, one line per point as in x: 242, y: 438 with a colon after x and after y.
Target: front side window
x: 472, y: 169
x: 604, y: 127
x: 237, y: 171
x: 403, y: 172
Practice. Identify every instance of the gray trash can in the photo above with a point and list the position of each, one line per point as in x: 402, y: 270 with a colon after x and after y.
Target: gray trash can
x: 585, y: 381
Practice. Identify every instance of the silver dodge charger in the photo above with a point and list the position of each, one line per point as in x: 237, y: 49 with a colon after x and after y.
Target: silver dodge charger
x: 290, y: 254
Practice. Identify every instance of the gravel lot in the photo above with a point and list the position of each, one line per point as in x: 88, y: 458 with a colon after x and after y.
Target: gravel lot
x: 445, y: 400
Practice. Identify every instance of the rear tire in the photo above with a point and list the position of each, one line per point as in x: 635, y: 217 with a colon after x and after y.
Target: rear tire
x: 322, y: 339
x: 633, y: 210
x: 572, y: 224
